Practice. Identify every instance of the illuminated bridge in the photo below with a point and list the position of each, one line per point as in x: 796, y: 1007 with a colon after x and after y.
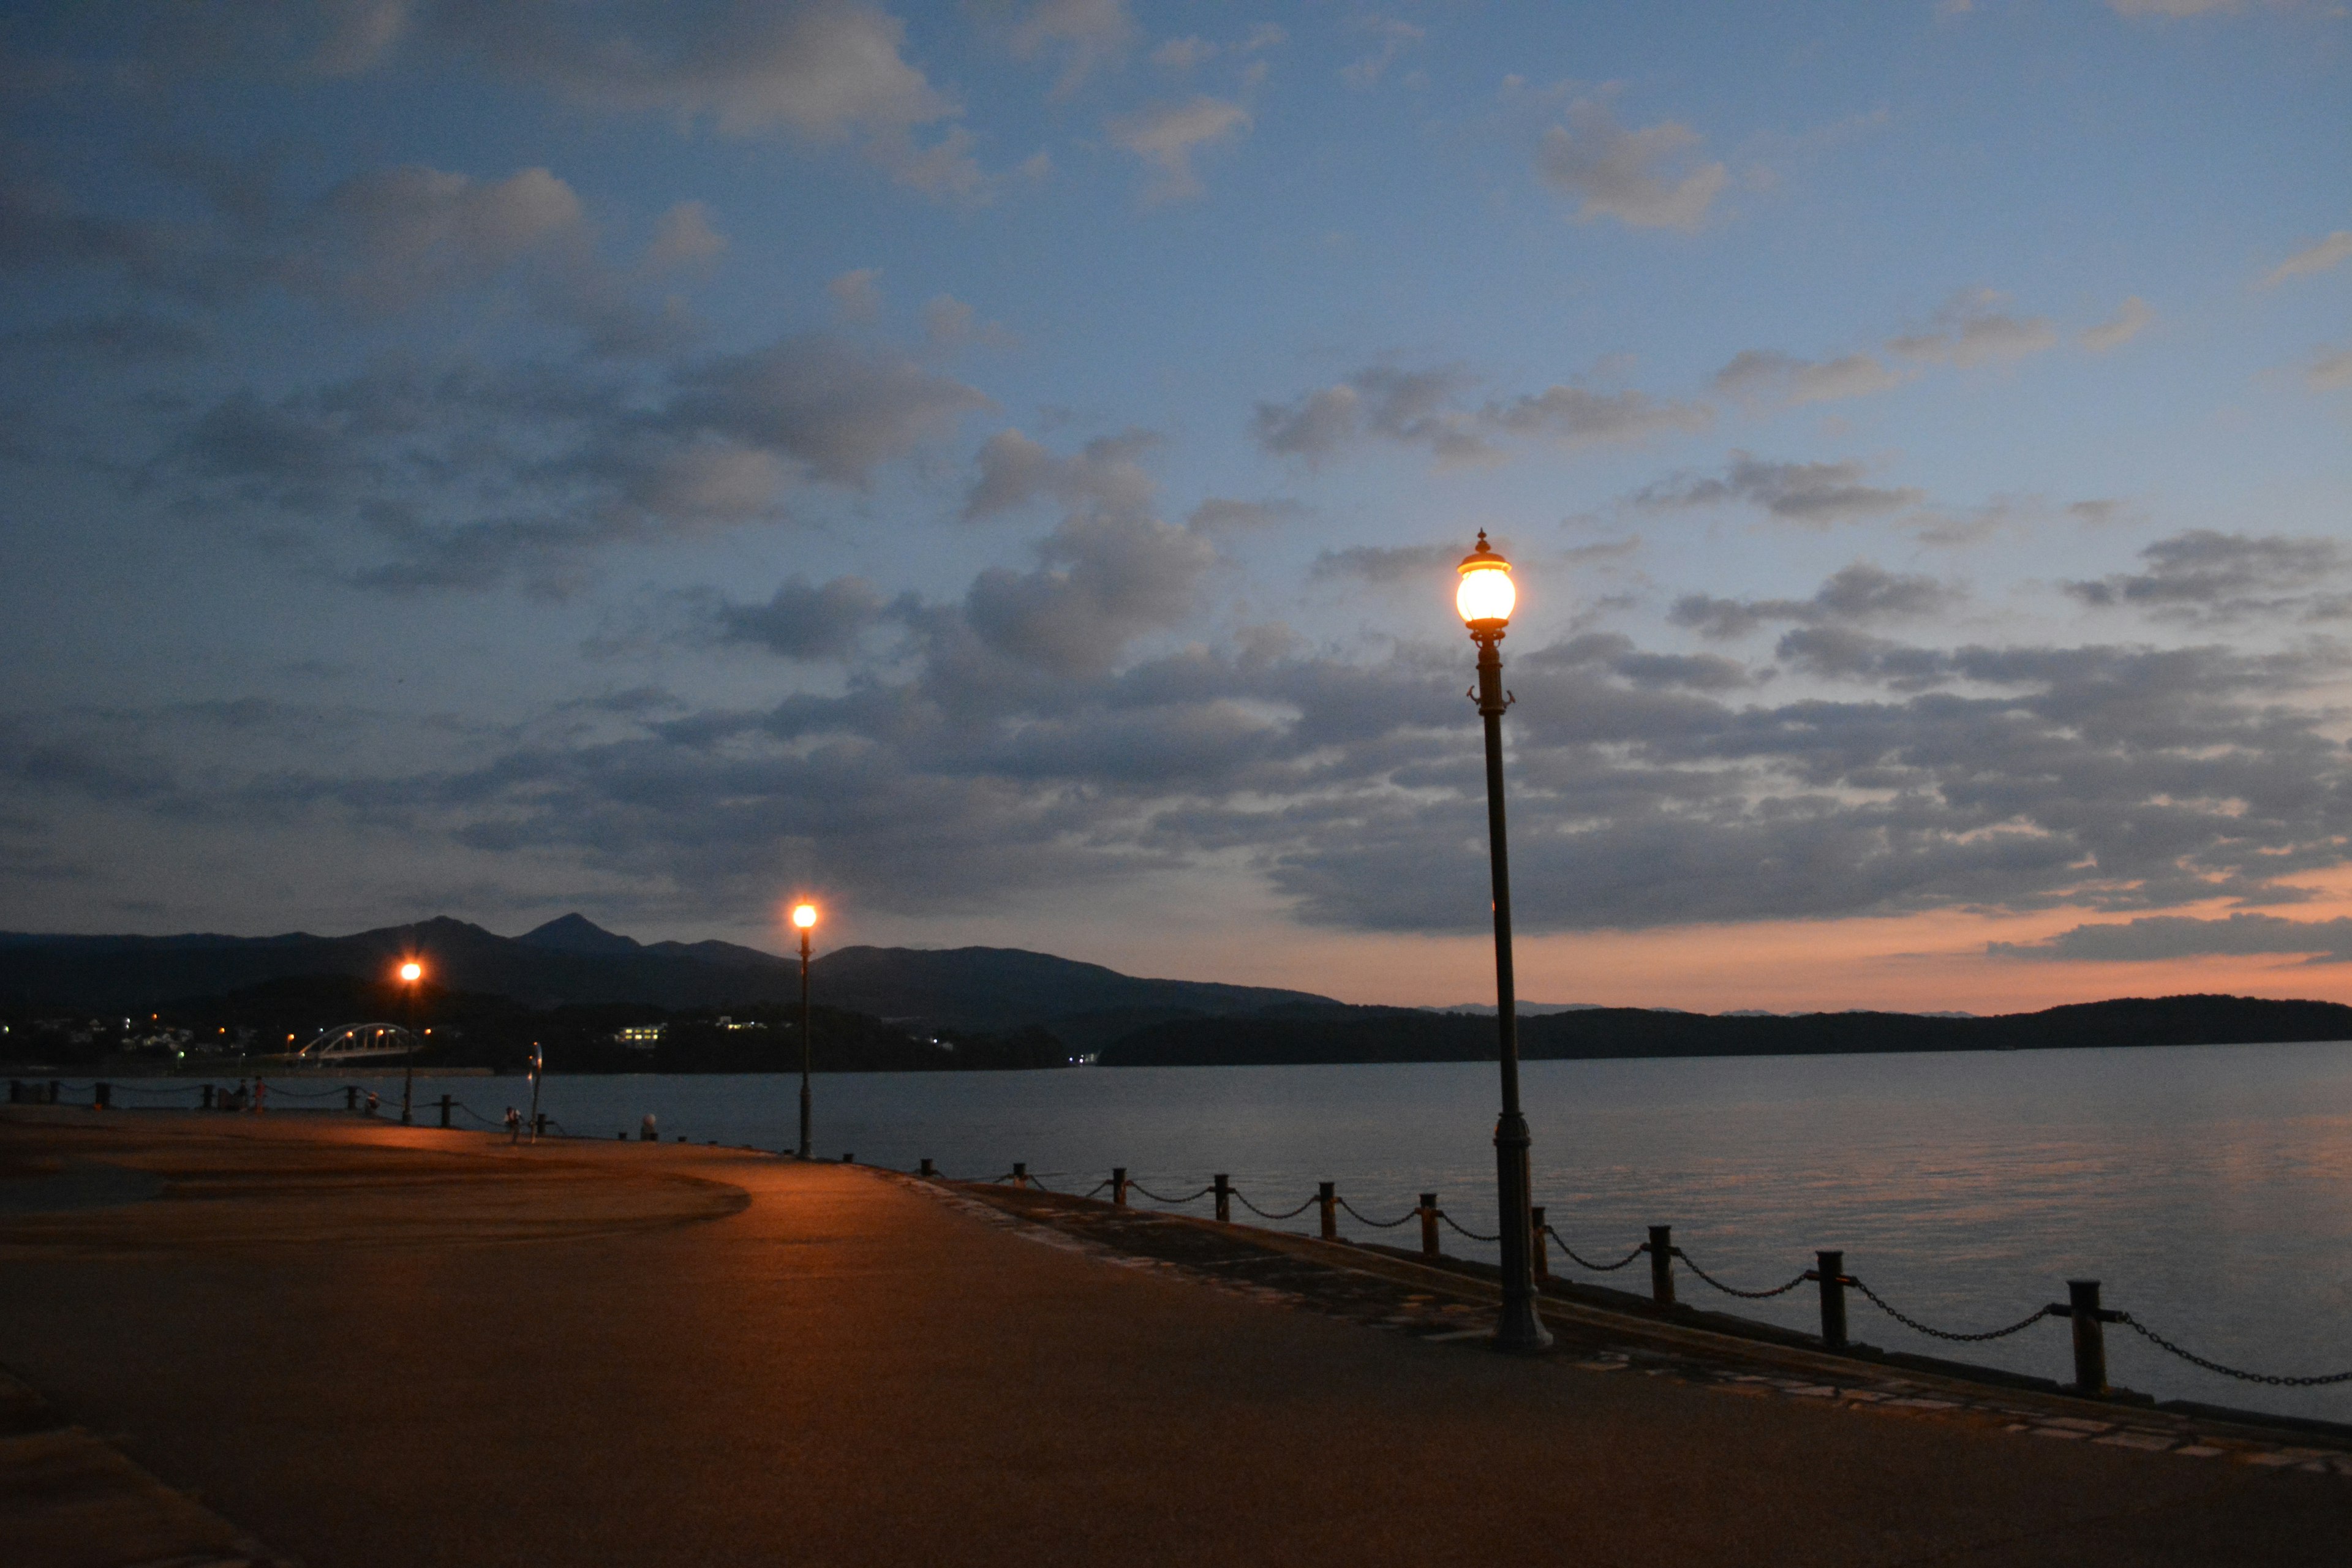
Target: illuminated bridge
x: 360, y: 1042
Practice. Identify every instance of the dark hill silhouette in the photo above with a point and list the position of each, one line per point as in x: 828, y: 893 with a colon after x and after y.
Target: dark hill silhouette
x: 1399, y: 1035
x: 572, y: 960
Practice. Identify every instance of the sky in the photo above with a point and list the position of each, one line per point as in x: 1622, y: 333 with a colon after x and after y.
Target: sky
x: 997, y: 468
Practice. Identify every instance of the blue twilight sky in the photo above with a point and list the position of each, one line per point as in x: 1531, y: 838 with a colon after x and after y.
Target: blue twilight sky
x: 997, y: 468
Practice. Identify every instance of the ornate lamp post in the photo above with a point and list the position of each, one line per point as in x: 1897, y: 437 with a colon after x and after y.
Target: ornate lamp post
x: 410, y: 972
x: 1485, y: 598
x: 804, y: 917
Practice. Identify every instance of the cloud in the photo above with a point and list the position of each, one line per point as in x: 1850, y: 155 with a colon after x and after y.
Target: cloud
x: 471, y: 476
x: 2175, y: 7
x: 857, y: 294
x: 820, y: 70
x: 2204, y: 575
x: 2328, y: 253
x: 1183, y: 54
x: 1860, y: 593
x: 684, y: 236
x: 949, y: 323
x: 2154, y: 939
x: 1971, y: 330
x: 1086, y: 34
x: 1107, y: 474
x: 1168, y: 136
x: 1763, y: 377
x: 806, y: 621
x: 1395, y: 36
x: 125, y: 336
x: 1007, y: 757
x: 2127, y: 323
x: 1641, y: 178
x: 1815, y: 494
x: 386, y: 240
x: 2329, y: 370
x: 1110, y: 573
x: 1217, y: 515
x: 1422, y: 408
x: 1385, y: 565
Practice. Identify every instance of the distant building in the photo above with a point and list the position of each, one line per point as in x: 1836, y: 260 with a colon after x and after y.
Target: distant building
x: 639, y: 1036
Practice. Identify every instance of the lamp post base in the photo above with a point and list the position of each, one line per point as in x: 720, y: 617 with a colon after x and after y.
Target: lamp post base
x: 1519, y: 1328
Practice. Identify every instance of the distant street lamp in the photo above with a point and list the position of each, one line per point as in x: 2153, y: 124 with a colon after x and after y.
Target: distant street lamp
x: 1485, y: 599
x: 804, y: 917
x: 411, y: 973
x: 538, y: 1071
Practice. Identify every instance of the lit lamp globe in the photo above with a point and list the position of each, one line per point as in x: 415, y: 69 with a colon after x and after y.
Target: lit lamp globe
x: 1486, y: 594
x: 804, y: 915
x: 411, y: 973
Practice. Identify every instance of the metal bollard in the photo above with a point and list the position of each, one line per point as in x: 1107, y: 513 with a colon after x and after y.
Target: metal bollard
x: 539, y: 1126
x: 2090, y: 1337
x: 927, y: 1171
x: 445, y: 1110
x: 1119, y: 1186
x: 1542, y: 1254
x: 1327, y: 1194
x: 351, y: 1097
x: 1020, y: 1173
x: 54, y: 1086
x: 16, y: 1089
x: 208, y: 1096
x: 1225, y: 1185
x: 1829, y: 1269
x: 1428, y: 1212
x: 1661, y: 1264
x: 101, y: 1097
x: 846, y: 1159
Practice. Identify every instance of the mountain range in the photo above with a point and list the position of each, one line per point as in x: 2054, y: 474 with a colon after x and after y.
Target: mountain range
x: 573, y: 960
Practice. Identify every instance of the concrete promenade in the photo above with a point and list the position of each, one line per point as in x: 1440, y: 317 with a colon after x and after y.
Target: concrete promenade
x: 364, y: 1345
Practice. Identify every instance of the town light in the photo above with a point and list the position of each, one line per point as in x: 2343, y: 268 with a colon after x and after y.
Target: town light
x: 1485, y: 598
x: 1486, y: 594
x: 804, y: 915
x: 412, y: 972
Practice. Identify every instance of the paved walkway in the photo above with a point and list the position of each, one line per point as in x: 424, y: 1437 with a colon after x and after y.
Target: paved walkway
x: 364, y: 1345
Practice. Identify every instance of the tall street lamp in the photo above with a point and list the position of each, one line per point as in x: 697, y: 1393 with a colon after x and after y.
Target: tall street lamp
x: 804, y: 917
x: 410, y: 974
x: 1485, y: 598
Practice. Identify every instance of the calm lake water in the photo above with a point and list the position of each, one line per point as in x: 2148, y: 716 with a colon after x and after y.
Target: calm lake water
x: 2209, y: 1188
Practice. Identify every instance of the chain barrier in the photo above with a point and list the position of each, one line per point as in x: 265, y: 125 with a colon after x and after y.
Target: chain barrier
x: 144, y: 1089
x: 1913, y: 1324
x: 1173, y: 1203
x: 1407, y: 1217
x: 1095, y: 1188
x: 1735, y: 1291
x: 1464, y: 1230
x: 276, y: 1089
x: 2193, y: 1359
x: 1584, y: 1262
x: 1286, y: 1213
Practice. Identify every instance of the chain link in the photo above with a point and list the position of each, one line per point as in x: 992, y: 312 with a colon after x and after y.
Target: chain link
x: 1286, y: 1213
x: 2193, y: 1359
x: 1465, y: 1230
x: 1156, y: 1198
x: 1733, y: 1290
x: 1409, y: 1215
x: 1915, y: 1325
x: 1585, y: 1262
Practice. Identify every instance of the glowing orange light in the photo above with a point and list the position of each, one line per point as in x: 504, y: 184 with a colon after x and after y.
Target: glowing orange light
x: 804, y: 915
x: 412, y: 972
x: 1485, y: 596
